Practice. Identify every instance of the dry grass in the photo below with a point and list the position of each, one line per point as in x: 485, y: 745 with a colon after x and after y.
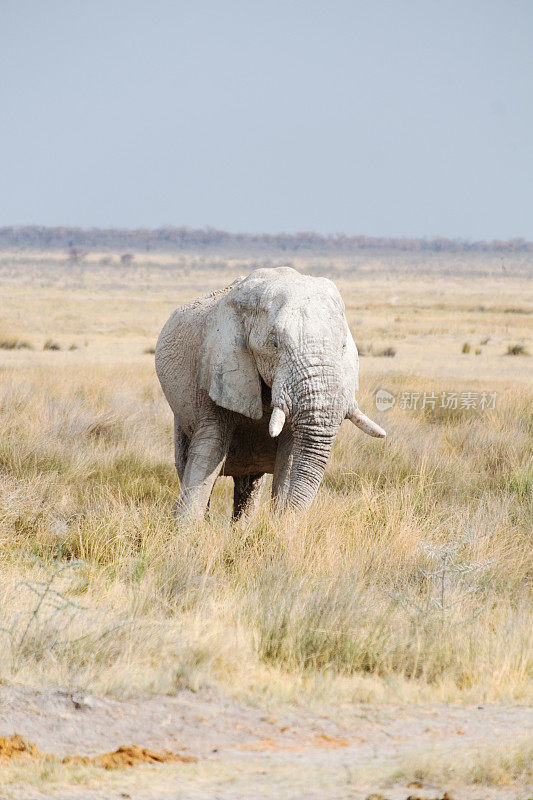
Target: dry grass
x: 412, y: 566
x: 409, y: 579
x: 507, y: 763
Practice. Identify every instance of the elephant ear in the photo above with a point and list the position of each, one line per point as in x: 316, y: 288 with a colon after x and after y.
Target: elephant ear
x: 227, y: 369
x: 350, y: 363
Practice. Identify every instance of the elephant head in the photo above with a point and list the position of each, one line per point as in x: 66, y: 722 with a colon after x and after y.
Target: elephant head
x: 288, y: 331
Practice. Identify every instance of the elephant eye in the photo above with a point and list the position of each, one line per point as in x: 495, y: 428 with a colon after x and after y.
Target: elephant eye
x: 272, y: 340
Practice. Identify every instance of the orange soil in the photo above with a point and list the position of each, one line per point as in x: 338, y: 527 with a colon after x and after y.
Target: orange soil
x: 269, y: 743
x: 16, y: 747
x: 129, y: 756
x: 124, y: 756
x: 445, y: 796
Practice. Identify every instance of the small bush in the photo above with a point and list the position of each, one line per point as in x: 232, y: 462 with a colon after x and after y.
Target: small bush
x: 477, y: 351
x: 387, y: 352
x: 51, y: 345
x: 149, y: 351
x: 465, y: 348
x: 14, y: 344
x: 368, y: 350
x: 517, y: 350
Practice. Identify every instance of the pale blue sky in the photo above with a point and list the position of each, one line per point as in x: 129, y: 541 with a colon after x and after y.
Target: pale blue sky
x: 407, y: 117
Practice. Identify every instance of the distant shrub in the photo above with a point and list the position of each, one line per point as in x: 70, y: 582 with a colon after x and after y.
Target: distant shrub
x: 368, y: 350
x: 75, y: 256
x: 477, y: 351
x: 50, y: 345
x: 465, y: 348
x: 14, y: 344
x: 73, y: 346
x: 149, y: 351
x: 387, y: 352
x: 517, y: 350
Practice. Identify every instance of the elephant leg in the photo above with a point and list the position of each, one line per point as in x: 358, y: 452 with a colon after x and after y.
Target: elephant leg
x: 246, y: 494
x: 208, y: 449
x: 282, y: 466
x: 181, y: 446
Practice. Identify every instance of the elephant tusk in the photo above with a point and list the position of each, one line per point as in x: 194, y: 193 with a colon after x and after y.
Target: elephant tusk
x: 365, y: 423
x: 277, y: 421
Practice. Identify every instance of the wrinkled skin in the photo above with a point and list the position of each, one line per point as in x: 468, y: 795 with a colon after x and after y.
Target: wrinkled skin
x: 259, y: 376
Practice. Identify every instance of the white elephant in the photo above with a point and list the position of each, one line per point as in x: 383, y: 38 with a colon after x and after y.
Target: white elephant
x: 259, y: 376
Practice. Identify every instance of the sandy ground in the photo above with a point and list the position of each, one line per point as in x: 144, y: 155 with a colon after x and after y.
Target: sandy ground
x: 250, y: 752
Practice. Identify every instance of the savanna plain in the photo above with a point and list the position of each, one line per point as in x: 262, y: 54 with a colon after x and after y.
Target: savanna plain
x: 380, y: 643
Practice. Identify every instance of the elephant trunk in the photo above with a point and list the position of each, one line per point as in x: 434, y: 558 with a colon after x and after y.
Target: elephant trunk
x: 311, y: 451
x: 316, y: 405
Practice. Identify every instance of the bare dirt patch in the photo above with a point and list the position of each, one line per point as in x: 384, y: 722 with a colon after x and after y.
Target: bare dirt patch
x: 236, y: 751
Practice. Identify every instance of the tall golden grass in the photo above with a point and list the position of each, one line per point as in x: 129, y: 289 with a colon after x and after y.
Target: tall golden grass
x: 409, y: 578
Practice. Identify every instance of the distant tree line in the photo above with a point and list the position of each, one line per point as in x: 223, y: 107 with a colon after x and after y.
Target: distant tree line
x: 172, y: 239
